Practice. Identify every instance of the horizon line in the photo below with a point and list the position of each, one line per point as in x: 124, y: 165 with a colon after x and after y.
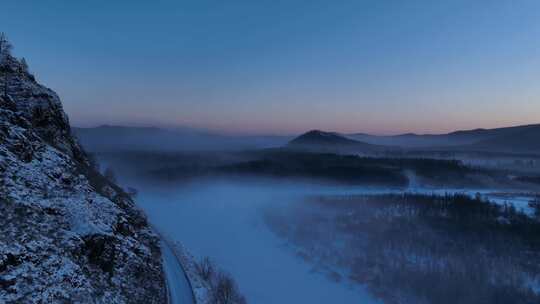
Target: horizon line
x: 231, y: 133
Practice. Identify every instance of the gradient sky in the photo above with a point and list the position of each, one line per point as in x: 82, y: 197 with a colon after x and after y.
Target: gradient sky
x: 281, y: 67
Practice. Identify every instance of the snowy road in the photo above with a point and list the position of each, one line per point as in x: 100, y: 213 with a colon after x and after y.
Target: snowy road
x: 179, y: 288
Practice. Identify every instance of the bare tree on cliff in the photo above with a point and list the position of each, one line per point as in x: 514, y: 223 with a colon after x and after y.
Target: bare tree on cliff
x: 5, y: 47
x: 5, y: 51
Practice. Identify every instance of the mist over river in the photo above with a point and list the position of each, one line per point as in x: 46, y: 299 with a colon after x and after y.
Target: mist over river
x: 222, y: 219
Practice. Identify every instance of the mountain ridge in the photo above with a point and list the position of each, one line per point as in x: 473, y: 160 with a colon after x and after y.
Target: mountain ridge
x: 475, y: 139
x: 107, y: 138
x: 111, y: 137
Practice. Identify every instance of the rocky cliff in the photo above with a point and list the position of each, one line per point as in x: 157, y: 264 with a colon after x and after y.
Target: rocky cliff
x: 67, y: 234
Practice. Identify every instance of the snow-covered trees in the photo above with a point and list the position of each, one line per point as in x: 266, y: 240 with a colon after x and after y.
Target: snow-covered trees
x: 5, y: 52
x: 418, y: 248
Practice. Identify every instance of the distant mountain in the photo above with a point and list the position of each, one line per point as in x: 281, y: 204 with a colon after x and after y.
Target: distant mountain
x: 519, y: 139
x: 116, y: 138
x: 318, y: 137
x: 411, y: 140
x: 524, y: 139
x: 321, y: 141
x: 510, y: 139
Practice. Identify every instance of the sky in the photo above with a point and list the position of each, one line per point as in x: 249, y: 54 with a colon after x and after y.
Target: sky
x: 284, y: 67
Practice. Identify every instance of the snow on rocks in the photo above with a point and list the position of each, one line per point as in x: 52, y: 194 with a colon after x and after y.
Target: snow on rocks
x: 66, y: 233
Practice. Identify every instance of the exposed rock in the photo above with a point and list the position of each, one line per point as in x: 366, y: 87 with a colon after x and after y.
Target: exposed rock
x: 67, y: 234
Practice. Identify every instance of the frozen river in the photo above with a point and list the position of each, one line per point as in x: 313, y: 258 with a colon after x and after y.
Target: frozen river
x: 222, y: 220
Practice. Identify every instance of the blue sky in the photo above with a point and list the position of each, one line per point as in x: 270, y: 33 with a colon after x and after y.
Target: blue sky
x: 286, y: 66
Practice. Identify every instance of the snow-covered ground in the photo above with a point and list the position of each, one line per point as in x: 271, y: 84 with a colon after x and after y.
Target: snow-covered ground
x: 222, y: 220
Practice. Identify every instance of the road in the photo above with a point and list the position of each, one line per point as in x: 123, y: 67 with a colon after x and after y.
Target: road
x: 179, y: 289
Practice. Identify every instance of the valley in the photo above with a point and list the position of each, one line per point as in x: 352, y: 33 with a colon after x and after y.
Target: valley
x: 320, y: 226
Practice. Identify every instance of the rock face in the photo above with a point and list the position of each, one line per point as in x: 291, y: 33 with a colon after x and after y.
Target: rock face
x: 67, y: 234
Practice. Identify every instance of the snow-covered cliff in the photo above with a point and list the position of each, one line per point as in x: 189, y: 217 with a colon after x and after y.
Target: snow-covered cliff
x: 67, y: 234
